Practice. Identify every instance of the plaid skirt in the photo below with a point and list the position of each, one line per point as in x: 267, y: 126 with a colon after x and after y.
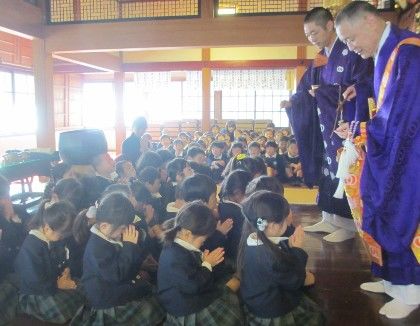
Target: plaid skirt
x: 58, y: 308
x: 225, y: 311
x: 307, y: 313
x: 9, y: 300
x: 147, y: 312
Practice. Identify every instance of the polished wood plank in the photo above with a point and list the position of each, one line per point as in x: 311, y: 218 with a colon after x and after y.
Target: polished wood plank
x: 339, y: 270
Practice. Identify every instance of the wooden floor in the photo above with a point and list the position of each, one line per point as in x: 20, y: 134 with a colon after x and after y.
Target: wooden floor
x: 339, y: 270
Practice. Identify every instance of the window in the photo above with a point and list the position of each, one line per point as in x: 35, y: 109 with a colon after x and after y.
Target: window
x: 163, y: 96
x: 98, y: 105
x: 238, y: 104
x: 253, y: 94
x: 267, y: 106
x: 17, y: 100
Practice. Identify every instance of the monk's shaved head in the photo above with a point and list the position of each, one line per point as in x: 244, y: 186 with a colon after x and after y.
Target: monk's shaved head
x: 318, y: 15
x: 360, y: 26
x: 356, y: 10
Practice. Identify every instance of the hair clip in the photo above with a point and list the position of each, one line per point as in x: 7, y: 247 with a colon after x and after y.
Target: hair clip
x: 91, y: 212
x: 261, y: 224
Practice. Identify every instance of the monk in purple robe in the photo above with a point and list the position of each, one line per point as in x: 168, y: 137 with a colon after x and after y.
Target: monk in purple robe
x: 390, y: 182
x: 318, y: 127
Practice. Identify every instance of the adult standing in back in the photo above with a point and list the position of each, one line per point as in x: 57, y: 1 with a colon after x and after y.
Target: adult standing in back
x: 131, y: 146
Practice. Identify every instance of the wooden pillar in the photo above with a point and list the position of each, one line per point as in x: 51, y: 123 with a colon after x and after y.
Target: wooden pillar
x: 300, y: 69
x: 120, y: 130
x: 206, y: 85
x: 218, y: 115
x: 44, y: 97
x: 77, y: 10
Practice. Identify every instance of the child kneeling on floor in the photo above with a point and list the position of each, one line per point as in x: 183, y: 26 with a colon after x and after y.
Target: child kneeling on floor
x: 44, y: 293
x: 186, y: 285
x: 272, y: 268
x: 115, y: 292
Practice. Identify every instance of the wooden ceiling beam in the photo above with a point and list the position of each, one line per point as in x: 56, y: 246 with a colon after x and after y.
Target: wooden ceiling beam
x: 98, y: 61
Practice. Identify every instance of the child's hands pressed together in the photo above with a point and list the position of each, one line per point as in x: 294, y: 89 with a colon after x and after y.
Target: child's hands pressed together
x: 296, y: 239
x: 64, y: 282
x: 149, y: 213
x: 214, y: 257
x: 225, y: 227
x: 130, y: 234
x: 156, y: 231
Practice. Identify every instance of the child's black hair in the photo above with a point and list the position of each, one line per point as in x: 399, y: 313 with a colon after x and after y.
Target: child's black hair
x: 194, y: 151
x: 70, y: 189
x: 261, y: 168
x: 184, y: 133
x: 218, y: 144
x: 81, y: 226
x: 148, y: 159
x: 195, y: 217
x: 197, y: 187
x: 176, y: 167
x: 235, y: 183
x: 242, y: 140
x: 265, y: 182
x: 165, y: 155
x: 117, y: 188
x: 115, y: 209
x: 263, y: 206
x: 271, y: 143
x: 119, y: 168
x: 149, y: 174
x: 254, y: 144
x: 270, y: 125
x: 4, y: 187
x: 247, y: 164
x: 230, y: 123
x: 59, y: 217
x: 236, y: 145
x: 178, y: 141
x: 141, y: 193
x: 201, y: 143
x: 165, y: 136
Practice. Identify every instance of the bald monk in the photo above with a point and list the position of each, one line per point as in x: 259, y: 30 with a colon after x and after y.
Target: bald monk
x: 313, y: 115
x: 390, y: 183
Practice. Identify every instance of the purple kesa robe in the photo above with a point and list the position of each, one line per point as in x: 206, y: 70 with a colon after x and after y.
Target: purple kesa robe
x: 312, y: 119
x: 390, y: 183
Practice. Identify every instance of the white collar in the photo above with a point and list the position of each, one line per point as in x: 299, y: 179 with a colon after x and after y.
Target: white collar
x: 156, y: 195
x: 384, y: 36
x: 110, y: 177
x: 217, y: 157
x: 253, y: 241
x: 186, y: 245
x: 41, y: 236
x: 268, y: 156
x: 174, y: 183
x: 170, y: 208
x: 230, y: 202
x: 96, y: 231
x: 328, y: 52
x: 136, y: 219
x: 297, y: 156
